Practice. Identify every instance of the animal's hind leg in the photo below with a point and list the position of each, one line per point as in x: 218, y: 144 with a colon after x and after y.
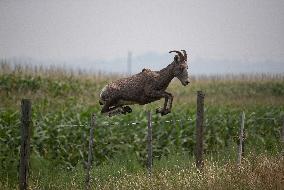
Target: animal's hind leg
x: 106, y: 107
x: 119, y: 110
x: 109, y: 106
x: 114, y: 111
x: 127, y: 109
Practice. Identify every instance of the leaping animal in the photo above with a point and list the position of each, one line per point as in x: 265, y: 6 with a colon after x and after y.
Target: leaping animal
x: 145, y: 87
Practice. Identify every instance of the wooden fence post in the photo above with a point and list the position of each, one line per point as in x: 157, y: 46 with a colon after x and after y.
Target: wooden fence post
x: 149, y: 140
x: 199, y: 129
x: 91, y: 142
x: 241, y: 139
x: 25, y: 143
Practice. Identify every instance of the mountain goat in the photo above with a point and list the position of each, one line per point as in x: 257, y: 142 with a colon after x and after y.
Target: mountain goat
x: 145, y: 87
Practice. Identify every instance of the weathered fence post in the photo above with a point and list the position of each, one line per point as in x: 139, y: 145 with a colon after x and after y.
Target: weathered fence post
x: 241, y: 139
x: 149, y: 140
x: 199, y: 129
x: 25, y: 143
x: 91, y: 142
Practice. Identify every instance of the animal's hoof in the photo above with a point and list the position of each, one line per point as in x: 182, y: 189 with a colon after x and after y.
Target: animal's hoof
x: 165, y: 112
x: 110, y: 114
x: 159, y: 110
x: 115, y: 112
x: 127, y: 109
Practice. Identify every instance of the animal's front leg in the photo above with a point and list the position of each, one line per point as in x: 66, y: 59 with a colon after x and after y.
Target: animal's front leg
x: 160, y: 94
x: 171, y: 101
x: 168, y: 101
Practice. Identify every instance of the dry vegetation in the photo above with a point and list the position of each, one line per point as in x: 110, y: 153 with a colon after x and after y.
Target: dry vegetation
x: 262, y: 173
x: 256, y: 172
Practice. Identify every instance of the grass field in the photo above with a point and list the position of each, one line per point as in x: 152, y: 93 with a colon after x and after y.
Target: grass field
x: 62, y: 103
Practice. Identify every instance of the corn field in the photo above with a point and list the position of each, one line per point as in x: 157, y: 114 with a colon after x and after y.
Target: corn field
x: 62, y: 104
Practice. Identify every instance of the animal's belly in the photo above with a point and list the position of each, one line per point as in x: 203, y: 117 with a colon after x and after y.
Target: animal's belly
x: 147, y: 100
x: 142, y: 100
x: 126, y: 102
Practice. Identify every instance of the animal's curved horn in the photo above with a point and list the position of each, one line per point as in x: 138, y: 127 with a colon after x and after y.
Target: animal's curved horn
x: 185, y: 55
x: 179, y: 54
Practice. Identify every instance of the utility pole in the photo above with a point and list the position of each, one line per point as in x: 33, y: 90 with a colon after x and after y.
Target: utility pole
x: 129, y: 62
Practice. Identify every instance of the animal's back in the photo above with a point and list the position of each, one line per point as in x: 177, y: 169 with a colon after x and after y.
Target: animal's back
x: 130, y: 88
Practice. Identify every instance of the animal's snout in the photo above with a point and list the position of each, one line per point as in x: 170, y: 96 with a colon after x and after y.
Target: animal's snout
x: 185, y: 83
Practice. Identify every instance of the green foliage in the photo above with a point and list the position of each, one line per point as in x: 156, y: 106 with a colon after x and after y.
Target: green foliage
x: 61, y: 110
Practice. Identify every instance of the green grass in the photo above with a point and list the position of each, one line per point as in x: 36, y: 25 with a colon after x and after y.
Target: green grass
x: 63, y: 102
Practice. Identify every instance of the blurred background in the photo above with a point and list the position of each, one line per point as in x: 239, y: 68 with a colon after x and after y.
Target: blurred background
x: 126, y: 36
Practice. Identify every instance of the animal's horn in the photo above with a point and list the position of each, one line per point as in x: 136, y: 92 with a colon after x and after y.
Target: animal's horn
x: 179, y: 54
x: 185, y: 55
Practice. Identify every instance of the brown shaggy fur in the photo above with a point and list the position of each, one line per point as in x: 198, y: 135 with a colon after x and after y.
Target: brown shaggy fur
x: 144, y: 87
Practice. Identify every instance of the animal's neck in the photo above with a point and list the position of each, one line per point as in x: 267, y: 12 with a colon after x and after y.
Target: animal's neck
x: 166, y: 76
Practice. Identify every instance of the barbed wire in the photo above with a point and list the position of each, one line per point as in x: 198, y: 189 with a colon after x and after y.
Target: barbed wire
x: 138, y: 123
x: 115, y: 123
x: 73, y: 125
x: 133, y: 123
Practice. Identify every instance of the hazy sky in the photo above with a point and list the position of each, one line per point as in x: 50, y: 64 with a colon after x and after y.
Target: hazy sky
x: 224, y: 29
